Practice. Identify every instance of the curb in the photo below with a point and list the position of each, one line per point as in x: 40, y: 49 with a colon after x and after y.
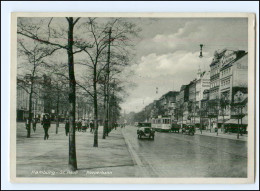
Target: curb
x: 221, y: 137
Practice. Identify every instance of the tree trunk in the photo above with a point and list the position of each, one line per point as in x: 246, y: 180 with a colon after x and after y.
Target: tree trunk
x: 217, y: 125
x: 30, y: 111
x: 237, y: 128
x: 105, y: 131
x: 210, y: 125
x: 95, y: 109
x: 57, y: 113
x: 200, y: 124
x: 72, y: 98
x: 105, y: 118
x: 223, y: 129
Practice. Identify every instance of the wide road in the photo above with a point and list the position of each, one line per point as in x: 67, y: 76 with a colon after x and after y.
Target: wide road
x: 178, y: 155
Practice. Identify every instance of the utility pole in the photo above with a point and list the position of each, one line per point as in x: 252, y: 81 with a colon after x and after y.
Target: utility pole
x: 106, y: 125
x: 201, y: 45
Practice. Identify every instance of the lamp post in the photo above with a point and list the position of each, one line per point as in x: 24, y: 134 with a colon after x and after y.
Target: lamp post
x: 201, y: 45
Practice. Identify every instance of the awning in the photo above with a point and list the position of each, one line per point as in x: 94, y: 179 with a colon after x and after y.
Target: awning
x: 221, y: 120
x: 197, y: 120
x: 245, y: 120
x: 235, y: 121
x: 180, y: 122
x: 231, y: 121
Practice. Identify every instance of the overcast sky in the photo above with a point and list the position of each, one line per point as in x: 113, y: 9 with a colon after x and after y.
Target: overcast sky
x: 167, y: 55
x: 167, y: 52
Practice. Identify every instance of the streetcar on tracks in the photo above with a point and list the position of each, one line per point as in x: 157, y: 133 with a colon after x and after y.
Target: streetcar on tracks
x: 161, y: 124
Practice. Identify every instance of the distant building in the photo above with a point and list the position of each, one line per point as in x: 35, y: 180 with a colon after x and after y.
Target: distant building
x: 22, y: 100
x: 204, y: 108
x: 165, y: 106
x: 233, y: 76
x: 214, y: 74
x: 41, y: 103
x: 184, y: 94
x: 233, y: 72
x: 183, y: 106
x: 192, y: 91
x: 202, y: 84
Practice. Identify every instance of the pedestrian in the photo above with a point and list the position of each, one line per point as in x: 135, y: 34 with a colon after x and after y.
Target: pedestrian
x: 84, y: 125
x: 46, y: 125
x: 115, y: 124
x: 34, y: 122
x: 87, y: 124
x: 91, y: 126
x: 67, y: 126
x: 79, y: 125
x: 27, y: 123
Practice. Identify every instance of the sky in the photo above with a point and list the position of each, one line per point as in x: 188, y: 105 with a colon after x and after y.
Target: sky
x: 167, y: 53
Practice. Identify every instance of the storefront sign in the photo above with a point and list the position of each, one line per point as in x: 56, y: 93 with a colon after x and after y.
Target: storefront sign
x: 227, y: 58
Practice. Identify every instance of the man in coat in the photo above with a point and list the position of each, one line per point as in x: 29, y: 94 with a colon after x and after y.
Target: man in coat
x: 67, y: 127
x: 46, y: 123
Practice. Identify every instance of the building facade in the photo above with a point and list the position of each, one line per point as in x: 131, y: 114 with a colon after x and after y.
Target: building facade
x: 202, y: 84
x: 41, y: 102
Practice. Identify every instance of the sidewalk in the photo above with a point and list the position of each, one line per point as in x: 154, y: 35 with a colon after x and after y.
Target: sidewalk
x: 232, y: 136
x: 49, y: 158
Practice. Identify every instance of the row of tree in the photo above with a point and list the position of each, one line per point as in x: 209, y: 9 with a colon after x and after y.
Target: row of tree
x: 101, y: 51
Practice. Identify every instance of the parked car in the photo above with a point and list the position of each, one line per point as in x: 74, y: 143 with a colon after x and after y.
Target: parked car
x: 145, y: 131
x: 175, y: 128
x: 188, y: 129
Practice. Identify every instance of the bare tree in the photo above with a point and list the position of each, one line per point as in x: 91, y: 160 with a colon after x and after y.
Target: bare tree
x: 34, y: 55
x: 46, y: 38
x: 112, y: 34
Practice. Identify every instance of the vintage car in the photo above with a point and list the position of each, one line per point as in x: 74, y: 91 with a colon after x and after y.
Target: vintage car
x: 188, y: 129
x: 175, y: 128
x: 145, y: 131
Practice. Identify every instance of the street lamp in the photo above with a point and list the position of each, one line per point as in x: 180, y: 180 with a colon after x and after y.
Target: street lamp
x: 201, y: 45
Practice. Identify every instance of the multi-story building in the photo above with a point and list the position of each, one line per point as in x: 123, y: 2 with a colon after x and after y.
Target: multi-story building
x: 192, y: 91
x: 233, y: 77
x: 22, y: 100
x: 165, y: 106
x: 204, y: 108
x: 182, y: 109
x: 192, y: 102
x: 233, y: 72
x: 202, y: 83
x: 184, y: 94
x: 214, y: 74
x: 40, y: 97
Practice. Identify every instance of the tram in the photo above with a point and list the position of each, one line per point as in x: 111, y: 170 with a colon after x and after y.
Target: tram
x: 161, y: 124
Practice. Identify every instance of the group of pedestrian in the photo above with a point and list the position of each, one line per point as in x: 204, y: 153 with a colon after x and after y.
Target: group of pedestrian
x: 81, y: 125
x: 46, y: 123
x: 34, y: 123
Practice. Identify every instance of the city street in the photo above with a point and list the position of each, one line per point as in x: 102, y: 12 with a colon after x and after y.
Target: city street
x: 169, y: 155
x: 123, y: 155
x: 178, y: 155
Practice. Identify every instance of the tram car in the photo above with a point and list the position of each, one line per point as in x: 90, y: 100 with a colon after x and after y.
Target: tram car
x: 161, y: 124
